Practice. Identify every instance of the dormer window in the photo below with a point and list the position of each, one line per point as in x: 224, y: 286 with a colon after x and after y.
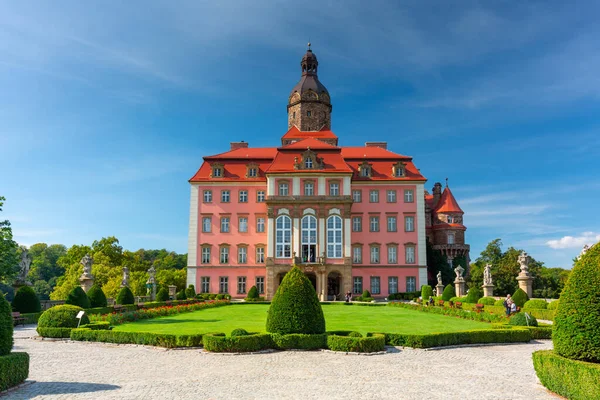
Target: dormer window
x: 308, y: 163
x: 365, y: 170
x: 398, y: 169
x: 252, y: 170
x: 217, y: 171
x: 308, y: 160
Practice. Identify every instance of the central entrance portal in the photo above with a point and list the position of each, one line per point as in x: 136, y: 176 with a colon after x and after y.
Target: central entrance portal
x: 334, y: 285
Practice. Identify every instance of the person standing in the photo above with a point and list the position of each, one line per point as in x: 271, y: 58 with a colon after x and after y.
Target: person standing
x: 507, y: 304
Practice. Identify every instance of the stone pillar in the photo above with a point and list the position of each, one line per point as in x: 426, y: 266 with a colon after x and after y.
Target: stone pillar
x: 440, y: 289
x: 323, y: 289
x: 488, y: 290
x: 172, y: 291
x: 525, y: 279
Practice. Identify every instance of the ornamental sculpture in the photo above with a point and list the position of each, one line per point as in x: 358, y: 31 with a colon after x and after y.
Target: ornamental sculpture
x: 524, y: 263
x: 487, y: 275
x: 87, y: 262
x: 24, y: 266
x: 459, y: 272
x: 439, y: 278
x: 125, y: 281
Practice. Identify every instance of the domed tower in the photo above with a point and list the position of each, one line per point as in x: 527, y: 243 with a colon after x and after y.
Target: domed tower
x: 309, y: 105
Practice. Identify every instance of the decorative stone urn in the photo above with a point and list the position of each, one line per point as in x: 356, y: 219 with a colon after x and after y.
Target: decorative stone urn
x: 459, y: 282
x: 525, y: 279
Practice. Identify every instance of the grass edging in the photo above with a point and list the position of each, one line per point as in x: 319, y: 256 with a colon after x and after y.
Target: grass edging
x: 14, y: 369
x: 456, y: 338
x: 572, y: 379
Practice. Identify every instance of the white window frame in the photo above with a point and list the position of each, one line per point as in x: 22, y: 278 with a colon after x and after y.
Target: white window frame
x: 409, y: 196
x: 242, y: 255
x: 374, y: 223
x: 243, y: 224
x: 391, y: 196
x: 241, y: 284
x: 223, y: 284
x: 451, y: 238
x: 335, y: 228
x: 308, y: 163
x: 410, y: 254
x: 224, y: 255
x: 392, y: 284
x: 252, y: 172
x: 357, y: 255
x: 392, y: 223
x: 207, y: 196
x: 225, y: 196
x: 374, y: 196
x: 309, y: 189
x: 357, y: 224
x: 260, y: 284
x: 409, y: 223
x: 357, y: 285
x: 357, y: 196
x: 225, y: 225
x: 375, y: 285
x: 308, y: 237
x: 243, y: 196
x: 260, y: 255
x: 334, y: 189
x: 206, y: 255
x: 283, y: 237
x: 375, y: 254
x: 205, y: 284
x: 206, y: 224
x: 411, y: 284
x: 260, y: 225
x: 392, y: 254
x: 260, y: 196
x: 284, y: 189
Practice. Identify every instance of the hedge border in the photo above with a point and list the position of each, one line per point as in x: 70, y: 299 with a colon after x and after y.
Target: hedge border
x: 300, y: 341
x: 219, y: 343
x: 57, y: 333
x: 486, y: 336
x: 371, y: 344
x: 581, y: 382
x: 14, y: 369
x: 144, y: 338
x: 31, y: 318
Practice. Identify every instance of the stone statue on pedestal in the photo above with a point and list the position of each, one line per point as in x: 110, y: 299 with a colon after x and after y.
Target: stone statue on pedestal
x: 125, y: 281
x: 524, y: 264
x: 459, y: 282
x: 439, y: 278
x: 459, y: 272
x: 525, y: 280
x: 151, y: 283
x: 86, y: 279
x: 24, y: 265
x: 487, y: 275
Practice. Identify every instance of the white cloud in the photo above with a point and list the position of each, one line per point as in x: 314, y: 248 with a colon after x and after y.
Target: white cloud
x: 571, y: 242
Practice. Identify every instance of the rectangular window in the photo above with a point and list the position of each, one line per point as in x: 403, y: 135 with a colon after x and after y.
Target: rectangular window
x: 225, y: 196
x: 391, y: 196
x: 224, y: 224
x: 411, y: 284
x: 391, y: 224
x: 334, y: 189
x: 217, y: 172
x: 450, y: 238
x: 356, y: 224
x: 409, y: 224
x: 365, y: 171
x: 206, y: 255
x: 392, y: 256
x: 206, y: 224
x: 260, y: 225
x: 241, y: 284
x: 450, y: 219
x: 357, y: 255
x: 357, y: 196
x: 374, y: 224
x: 408, y: 196
x: 223, y: 285
x: 309, y: 189
x: 243, y: 196
x: 393, y: 284
x: 243, y: 224
x: 260, y: 255
x: 374, y: 255
x: 284, y: 189
x: 260, y: 284
x: 224, y: 255
x: 375, y: 285
x: 242, y: 255
x: 208, y: 196
x: 410, y: 255
x: 374, y: 196
x: 260, y: 196
x: 205, y: 284
x: 358, y: 285
x: 252, y: 173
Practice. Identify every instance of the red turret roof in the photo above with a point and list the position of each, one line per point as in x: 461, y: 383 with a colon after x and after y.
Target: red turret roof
x: 447, y: 203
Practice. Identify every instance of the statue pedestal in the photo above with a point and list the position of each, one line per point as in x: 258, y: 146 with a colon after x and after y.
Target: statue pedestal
x: 86, y: 282
x: 172, y: 291
x: 526, y: 284
x: 488, y: 290
x: 459, y: 286
x: 440, y: 289
x: 18, y: 284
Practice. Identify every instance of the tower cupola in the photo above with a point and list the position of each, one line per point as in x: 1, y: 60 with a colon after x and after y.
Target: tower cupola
x: 309, y: 104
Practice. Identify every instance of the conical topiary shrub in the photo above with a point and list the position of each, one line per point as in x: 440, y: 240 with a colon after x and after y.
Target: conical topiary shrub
x: 162, y: 295
x: 426, y: 292
x: 295, y: 307
x: 97, y: 297
x: 6, y: 327
x: 180, y: 295
x: 576, y: 332
x: 77, y: 297
x: 190, y: 292
x: 253, y: 293
x: 125, y: 296
x: 448, y: 293
x: 520, y: 298
x: 26, y: 301
x: 473, y: 295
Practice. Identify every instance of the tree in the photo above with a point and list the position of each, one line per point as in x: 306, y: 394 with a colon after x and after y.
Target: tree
x: 44, y: 261
x: 42, y: 289
x: 6, y: 327
x: 8, y: 249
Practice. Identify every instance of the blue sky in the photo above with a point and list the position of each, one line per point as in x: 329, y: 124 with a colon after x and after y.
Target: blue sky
x: 107, y: 109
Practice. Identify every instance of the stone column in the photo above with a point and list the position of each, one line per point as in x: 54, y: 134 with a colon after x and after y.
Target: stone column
x: 172, y: 291
x: 525, y: 279
x: 488, y: 290
x: 440, y: 289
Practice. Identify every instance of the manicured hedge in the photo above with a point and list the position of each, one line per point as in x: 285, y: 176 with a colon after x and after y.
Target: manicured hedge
x: 473, y: 295
x: 6, y: 327
x: 190, y: 292
x: 541, y: 332
x: 487, y: 301
x: 14, y: 369
x: 26, y: 301
x: 162, y: 295
x: 404, y: 296
x: 237, y: 344
x: 520, y: 297
x: 553, y: 305
x: 543, y: 314
x: 576, y: 380
x: 535, y: 304
x: 520, y: 319
x: 97, y: 325
x: 97, y: 297
x: 125, y: 296
x: 356, y: 344
x: 457, y: 338
x: 56, y: 321
x: 426, y: 292
x: 499, y: 303
x: 145, y: 338
x: 448, y: 293
x: 482, y: 316
x: 300, y: 341
x: 51, y: 332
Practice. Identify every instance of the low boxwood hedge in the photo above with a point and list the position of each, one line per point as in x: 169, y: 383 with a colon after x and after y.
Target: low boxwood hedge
x: 100, y: 325
x: 300, y: 341
x: 457, y: 338
x: 543, y: 314
x: 146, y: 338
x: 535, y: 304
x: 346, y: 343
x: 541, y: 332
x: 52, y: 332
x: 237, y: 344
x: 14, y: 369
x: 576, y: 380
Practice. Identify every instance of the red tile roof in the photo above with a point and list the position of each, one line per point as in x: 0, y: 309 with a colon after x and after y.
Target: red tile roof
x: 296, y: 133
x: 370, y: 153
x: 312, y: 143
x: 447, y: 203
x: 332, y: 161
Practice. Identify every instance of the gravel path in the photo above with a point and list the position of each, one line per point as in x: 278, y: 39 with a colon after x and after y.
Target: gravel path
x: 75, y: 370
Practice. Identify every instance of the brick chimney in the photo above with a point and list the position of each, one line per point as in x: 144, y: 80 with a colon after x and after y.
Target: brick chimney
x: 383, y: 145
x: 238, y: 145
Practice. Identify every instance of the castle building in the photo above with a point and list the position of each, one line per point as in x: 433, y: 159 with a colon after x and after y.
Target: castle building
x: 352, y: 218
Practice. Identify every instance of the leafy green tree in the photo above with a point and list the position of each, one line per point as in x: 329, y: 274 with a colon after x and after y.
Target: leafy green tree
x: 42, y: 289
x: 44, y: 261
x: 8, y: 249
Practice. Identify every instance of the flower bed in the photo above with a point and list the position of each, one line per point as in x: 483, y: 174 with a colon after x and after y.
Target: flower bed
x: 148, y: 313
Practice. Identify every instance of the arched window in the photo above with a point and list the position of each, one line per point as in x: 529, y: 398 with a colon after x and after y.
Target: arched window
x: 283, y: 237
x: 334, y: 237
x: 309, y: 239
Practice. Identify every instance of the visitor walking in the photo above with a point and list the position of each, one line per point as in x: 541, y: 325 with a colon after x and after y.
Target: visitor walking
x: 507, y: 302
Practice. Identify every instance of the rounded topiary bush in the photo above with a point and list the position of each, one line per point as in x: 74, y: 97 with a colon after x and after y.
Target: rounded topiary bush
x: 190, y: 292
x: 553, y: 305
x: 125, y: 296
x: 97, y: 297
x: 576, y: 332
x: 426, y: 292
x: 520, y: 319
x: 239, y: 332
x: 6, y: 327
x: 162, y: 295
x: 295, y: 307
x: 220, y: 297
x: 77, y: 297
x: 448, y: 293
x: 63, y: 316
x: 536, y: 304
x: 473, y: 295
x: 26, y: 301
x: 355, y: 334
x: 499, y: 303
x: 365, y: 294
x: 487, y: 301
x: 180, y: 295
x: 520, y: 298
x: 253, y: 293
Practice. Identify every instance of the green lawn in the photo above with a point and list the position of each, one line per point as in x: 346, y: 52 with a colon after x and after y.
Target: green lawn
x: 337, y: 317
